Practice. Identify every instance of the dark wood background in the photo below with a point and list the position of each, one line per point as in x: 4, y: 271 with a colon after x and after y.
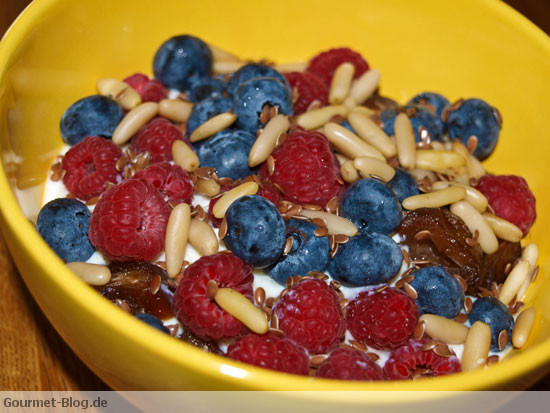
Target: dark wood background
x: 32, y: 355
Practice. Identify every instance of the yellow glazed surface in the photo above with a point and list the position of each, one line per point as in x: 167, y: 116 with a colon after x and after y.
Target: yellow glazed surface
x: 58, y: 48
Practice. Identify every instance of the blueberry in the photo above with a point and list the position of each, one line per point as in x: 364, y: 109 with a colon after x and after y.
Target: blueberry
x: 64, y: 225
x: 372, y: 206
x: 419, y: 116
x: 308, y: 252
x: 153, y: 322
x: 252, y: 71
x: 438, y: 292
x: 474, y: 117
x: 228, y: 152
x: 366, y: 259
x: 495, y: 314
x: 253, y: 95
x: 430, y: 99
x: 403, y: 184
x: 94, y: 115
x: 181, y: 61
x: 206, y: 88
x: 255, y: 230
x: 205, y: 110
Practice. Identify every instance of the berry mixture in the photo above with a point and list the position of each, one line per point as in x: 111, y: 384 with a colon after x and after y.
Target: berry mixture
x: 270, y: 217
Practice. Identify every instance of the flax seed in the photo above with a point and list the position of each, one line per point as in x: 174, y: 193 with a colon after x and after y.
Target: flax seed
x: 358, y: 345
x: 259, y: 296
x: 419, y: 330
x: 502, y: 340
x: 288, y: 245
x: 429, y: 345
x: 317, y: 359
x: 321, y: 232
x: 223, y: 229
x: 410, y: 291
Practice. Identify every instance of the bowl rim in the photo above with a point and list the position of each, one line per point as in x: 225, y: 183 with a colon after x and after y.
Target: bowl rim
x: 231, y: 373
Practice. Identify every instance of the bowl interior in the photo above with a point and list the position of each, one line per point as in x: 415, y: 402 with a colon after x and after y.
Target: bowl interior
x: 57, y: 49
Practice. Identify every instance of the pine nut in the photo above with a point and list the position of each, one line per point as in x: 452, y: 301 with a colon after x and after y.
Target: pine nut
x: 514, y: 281
x: 225, y: 67
x: 405, y: 142
x: 503, y: 229
x: 371, y: 166
x: 291, y: 67
x: 248, y: 188
x: 220, y: 55
x: 372, y: 134
x: 335, y: 223
x: 92, y: 274
x: 184, y: 156
x: 177, y: 232
x: 362, y: 110
x: 435, y: 199
x: 473, y: 196
x: 476, y: 347
x: 531, y: 254
x: 134, y: 121
x: 437, y: 145
x: 473, y: 166
x: 349, y: 172
x: 349, y: 103
x: 213, y: 126
x: 438, y: 161
x: 475, y: 222
x: 523, y: 326
x: 349, y: 143
x: 444, y: 329
x: 208, y: 187
x: 341, y: 83
x: 420, y: 174
x: 365, y: 86
x: 267, y: 140
x: 176, y: 110
x: 341, y: 158
x: 122, y: 92
x: 316, y: 118
x: 202, y: 237
x: 242, y: 309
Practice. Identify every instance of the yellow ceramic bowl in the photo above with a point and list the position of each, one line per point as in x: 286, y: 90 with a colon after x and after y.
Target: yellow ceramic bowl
x: 58, y: 48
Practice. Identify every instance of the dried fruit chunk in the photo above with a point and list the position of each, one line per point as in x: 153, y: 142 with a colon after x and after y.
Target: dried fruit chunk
x: 138, y: 284
x: 442, y: 238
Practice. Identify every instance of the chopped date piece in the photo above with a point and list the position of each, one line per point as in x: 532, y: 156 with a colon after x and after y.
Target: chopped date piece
x: 444, y: 242
x: 135, y: 283
x: 496, y: 266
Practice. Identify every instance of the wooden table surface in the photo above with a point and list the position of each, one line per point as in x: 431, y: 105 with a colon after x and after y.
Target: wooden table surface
x: 32, y: 355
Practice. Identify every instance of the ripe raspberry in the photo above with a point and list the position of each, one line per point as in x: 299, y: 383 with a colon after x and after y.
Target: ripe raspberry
x: 89, y: 165
x: 171, y: 180
x: 305, y: 168
x: 310, y: 314
x: 510, y: 198
x: 410, y: 360
x: 324, y: 64
x: 382, y: 320
x: 306, y: 87
x: 195, y: 310
x: 157, y: 138
x: 150, y: 90
x: 270, y: 352
x: 129, y: 222
x: 269, y: 192
x: 346, y: 363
